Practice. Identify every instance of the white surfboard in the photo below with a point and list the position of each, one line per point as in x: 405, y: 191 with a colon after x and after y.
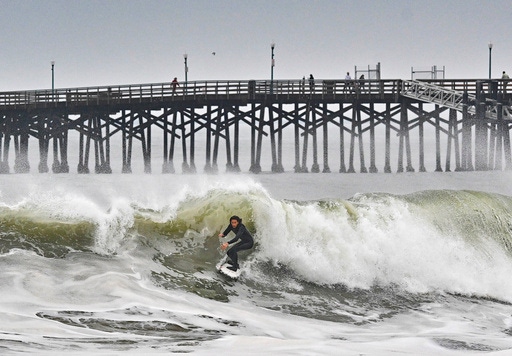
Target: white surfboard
x: 231, y: 274
x: 222, y: 267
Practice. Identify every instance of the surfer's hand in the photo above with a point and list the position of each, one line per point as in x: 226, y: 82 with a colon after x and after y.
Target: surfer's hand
x: 224, y: 246
x: 221, y: 235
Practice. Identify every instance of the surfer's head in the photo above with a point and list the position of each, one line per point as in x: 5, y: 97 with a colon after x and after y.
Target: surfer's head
x: 234, y: 221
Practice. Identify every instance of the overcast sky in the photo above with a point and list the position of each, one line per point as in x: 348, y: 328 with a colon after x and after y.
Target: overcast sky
x: 128, y: 42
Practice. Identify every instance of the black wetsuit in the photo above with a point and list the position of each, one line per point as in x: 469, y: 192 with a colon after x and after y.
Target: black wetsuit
x: 246, y: 242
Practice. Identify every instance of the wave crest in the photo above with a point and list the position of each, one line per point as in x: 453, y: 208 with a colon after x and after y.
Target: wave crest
x: 455, y: 241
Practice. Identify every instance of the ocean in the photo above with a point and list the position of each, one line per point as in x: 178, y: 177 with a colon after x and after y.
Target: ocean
x: 344, y: 264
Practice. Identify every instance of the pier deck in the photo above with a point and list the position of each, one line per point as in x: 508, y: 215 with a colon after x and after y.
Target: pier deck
x: 472, y: 115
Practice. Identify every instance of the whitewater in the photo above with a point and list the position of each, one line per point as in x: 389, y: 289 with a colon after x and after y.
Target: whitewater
x: 351, y: 264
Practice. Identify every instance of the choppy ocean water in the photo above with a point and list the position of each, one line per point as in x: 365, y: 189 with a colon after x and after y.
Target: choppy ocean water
x: 371, y: 264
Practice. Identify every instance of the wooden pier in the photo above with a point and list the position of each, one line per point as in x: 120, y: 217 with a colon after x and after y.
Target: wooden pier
x: 467, y: 119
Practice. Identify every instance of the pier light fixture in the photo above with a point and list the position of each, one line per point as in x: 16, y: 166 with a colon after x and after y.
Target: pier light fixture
x: 185, y: 56
x: 53, y: 78
x: 272, y: 64
x: 490, y: 58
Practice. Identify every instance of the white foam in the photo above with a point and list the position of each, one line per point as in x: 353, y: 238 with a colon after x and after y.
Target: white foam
x: 385, y: 244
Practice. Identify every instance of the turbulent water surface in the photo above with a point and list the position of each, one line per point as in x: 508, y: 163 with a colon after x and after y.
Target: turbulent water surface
x: 127, y: 264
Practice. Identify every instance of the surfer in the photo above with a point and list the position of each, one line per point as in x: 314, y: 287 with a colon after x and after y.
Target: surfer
x: 242, y: 234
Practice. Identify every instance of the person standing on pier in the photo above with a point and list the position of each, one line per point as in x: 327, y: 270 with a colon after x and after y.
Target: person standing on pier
x: 361, y: 83
x: 311, y: 83
x: 348, y: 82
x: 174, y: 84
x: 505, y: 82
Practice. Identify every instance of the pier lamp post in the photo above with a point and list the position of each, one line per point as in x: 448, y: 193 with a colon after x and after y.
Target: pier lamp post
x: 272, y: 64
x: 185, y: 56
x: 490, y: 52
x: 53, y: 80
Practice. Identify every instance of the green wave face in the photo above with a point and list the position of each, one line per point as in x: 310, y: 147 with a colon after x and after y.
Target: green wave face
x: 47, y: 236
x: 472, y: 215
x: 210, y: 212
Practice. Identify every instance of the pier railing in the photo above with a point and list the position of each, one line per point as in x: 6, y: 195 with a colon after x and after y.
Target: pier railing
x: 227, y: 90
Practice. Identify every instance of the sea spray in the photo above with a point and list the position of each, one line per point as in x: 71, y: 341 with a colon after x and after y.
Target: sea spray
x: 113, y: 226
x: 380, y: 240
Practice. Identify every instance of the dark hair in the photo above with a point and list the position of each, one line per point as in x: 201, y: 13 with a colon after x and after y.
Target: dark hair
x: 234, y: 217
